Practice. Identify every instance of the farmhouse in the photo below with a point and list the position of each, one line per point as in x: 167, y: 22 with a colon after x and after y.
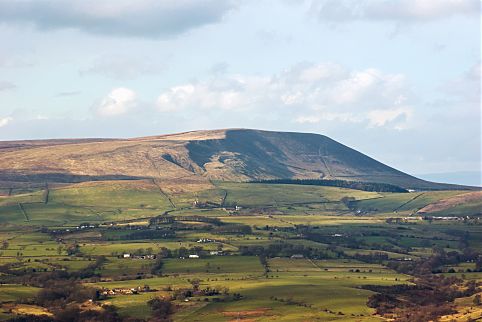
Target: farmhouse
x: 205, y: 240
x: 131, y: 256
x: 125, y: 291
x: 144, y: 257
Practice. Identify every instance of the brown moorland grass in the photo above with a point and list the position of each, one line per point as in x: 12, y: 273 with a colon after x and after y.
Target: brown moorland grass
x: 450, y: 202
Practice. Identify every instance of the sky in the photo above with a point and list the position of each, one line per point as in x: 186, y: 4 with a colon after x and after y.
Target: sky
x: 398, y: 80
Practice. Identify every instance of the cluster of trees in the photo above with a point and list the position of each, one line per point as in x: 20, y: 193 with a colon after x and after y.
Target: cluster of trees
x: 358, y: 185
x: 165, y: 219
x: 149, y: 234
x: 209, y: 220
x: 60, y: 293
x: 433, y: 264
x: 430, y: 297
x: 11, y: 274
x: 350, y: 240
x: 216, y: 225
x: 63, y: 298
x: 282, y: 250
x: 91, y: 269
x: 181, y: 252
x: 195, y: 290
x: 162, y: 309
x: 373, y: 258
x: 156, y: 269
x: 233, y: 229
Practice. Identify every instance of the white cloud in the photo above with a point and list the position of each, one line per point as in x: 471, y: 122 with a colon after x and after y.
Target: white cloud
x: 119, y: 101
x: 5, y: 121
x: 383, y: 117
x: 145, y: 18
x: 307, y: 93
x: 394, y: 10
x: 319, y: 72
x: 232, y: 93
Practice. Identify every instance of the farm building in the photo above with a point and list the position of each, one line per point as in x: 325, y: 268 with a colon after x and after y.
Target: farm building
x: 297, y: 256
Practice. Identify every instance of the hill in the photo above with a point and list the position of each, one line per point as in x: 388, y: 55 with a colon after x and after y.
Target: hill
x: 196, y: 158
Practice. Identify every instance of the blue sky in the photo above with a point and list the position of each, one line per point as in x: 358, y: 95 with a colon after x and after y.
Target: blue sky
x: 398, y: 80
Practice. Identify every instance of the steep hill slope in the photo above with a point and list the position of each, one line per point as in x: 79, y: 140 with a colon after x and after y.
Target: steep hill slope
x: 196, y: 158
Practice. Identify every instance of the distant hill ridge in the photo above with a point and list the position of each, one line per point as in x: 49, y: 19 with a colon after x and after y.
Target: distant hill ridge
x: 230, y: 155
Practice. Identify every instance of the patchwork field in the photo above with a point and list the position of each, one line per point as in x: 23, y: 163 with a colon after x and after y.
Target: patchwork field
x: 231, y: 252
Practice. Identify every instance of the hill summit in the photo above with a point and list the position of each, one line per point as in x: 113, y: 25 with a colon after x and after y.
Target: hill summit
x: 198, y: 156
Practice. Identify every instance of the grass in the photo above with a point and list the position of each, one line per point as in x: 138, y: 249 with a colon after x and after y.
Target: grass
x: 125, y: 194
x: 14, y: 292
x: 217, y: 264
x: 299, y: 289
x: 403, y: 202
x: 117, y: 267
x: 257, y: 195
x: 310, y: 292
x: 118, y: 248
x: 472, y: 208
x: 259, y: 221
x: 32, y: 197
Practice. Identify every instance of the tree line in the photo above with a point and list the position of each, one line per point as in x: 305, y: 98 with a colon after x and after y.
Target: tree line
x: 357, y: 185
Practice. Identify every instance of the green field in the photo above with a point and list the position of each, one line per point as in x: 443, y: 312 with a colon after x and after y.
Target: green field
x: 259, y: 195
x: 403, y: 202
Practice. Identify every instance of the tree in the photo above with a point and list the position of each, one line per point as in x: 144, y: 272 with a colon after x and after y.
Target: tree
x: 157, y: 267
x: 165, y: 253
x: 478, y: 264
x: 162, y: 309
x: 195, y: 284
x: 182, y: 252
x: 348, y: 201
x: 72, y: 313
x: 477, y: 300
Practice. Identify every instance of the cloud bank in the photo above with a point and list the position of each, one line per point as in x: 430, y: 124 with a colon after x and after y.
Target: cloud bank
x: 307, y: 93
x: 140, y: 18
